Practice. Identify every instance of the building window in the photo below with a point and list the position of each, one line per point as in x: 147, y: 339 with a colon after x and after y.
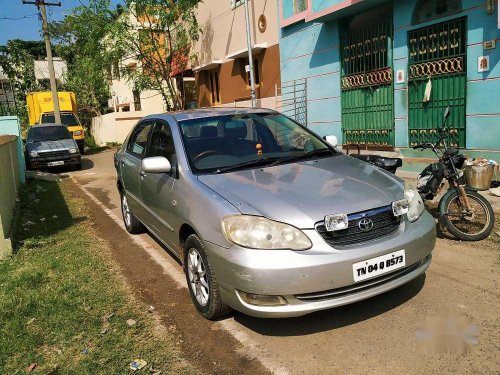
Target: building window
x: 293, y: 7
x: 256, y: 69
x: 427, y: 10
x: 213, y: 81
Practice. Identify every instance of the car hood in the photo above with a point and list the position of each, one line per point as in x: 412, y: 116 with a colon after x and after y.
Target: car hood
x: 51, y: 146
x: 303, y: 193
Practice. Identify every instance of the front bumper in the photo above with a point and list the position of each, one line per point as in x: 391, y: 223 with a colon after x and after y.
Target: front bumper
x: 41, y: 162
x: 299, y: 276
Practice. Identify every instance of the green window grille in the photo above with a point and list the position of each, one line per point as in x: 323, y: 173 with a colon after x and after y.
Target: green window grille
x: 437, y: 53
x: 367, y: 85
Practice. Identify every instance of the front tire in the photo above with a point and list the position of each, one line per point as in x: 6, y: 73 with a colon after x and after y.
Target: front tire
x: 132, y: 225
x: 202, y: 284
x: 467, y: 227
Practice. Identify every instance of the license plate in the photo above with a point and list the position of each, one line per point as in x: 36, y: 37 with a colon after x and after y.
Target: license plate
x: 55, y: 163
x: 369, y: 268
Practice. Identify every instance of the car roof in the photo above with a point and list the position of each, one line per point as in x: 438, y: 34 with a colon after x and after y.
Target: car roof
x: 46, y: 124
x: 211, y: 112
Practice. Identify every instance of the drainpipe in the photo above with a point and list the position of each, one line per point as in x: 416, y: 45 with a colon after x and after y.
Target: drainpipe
x: 250, y: 56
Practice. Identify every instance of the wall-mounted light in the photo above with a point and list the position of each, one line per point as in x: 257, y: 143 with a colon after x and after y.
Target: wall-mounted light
x: 489, y: 6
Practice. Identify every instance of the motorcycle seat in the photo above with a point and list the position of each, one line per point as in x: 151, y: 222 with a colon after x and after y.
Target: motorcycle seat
x: 381, y: 161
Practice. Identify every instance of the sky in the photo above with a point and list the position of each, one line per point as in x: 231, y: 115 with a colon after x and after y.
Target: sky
x: 18, y: 21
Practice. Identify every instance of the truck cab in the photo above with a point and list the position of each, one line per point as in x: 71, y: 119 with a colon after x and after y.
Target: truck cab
x: 41, y: 111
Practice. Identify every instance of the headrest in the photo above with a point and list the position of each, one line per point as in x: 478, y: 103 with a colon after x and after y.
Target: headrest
x: 208, y: 132
x: 235, y: 129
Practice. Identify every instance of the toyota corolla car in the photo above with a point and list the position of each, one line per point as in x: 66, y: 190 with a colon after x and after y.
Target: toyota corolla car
x: 266, y: 217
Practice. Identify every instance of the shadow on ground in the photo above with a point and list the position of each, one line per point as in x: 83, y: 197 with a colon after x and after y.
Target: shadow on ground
x: 43, y: 212
x: 334, y: 318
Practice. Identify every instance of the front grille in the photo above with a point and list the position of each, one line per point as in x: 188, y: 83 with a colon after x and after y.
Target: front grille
x: 384, y: 223
x: 359, y: 287
x: 54, y: 155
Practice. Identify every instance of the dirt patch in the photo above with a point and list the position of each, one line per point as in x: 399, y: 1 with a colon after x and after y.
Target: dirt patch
x: 201, y: 342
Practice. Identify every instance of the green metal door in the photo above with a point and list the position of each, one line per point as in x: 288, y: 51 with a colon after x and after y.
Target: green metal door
x: 367, y: 86
x: 437, y: 53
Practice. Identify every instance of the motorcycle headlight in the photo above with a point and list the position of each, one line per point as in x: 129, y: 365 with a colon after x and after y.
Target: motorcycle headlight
x: 260, y: 233
x: 33, y: 154
x: 73, y: 150
x: 415, y: 203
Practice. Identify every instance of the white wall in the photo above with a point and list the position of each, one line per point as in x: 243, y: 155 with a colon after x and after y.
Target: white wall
x: 114, y: 127
x: 42, y: 69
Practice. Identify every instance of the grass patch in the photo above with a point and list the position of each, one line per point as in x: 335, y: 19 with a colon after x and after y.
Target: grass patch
x: 63, y: 305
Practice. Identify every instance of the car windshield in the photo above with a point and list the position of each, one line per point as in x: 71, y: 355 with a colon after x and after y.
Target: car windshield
x: 47, y: 133
x: 230, y: 142
x: 67, y: 119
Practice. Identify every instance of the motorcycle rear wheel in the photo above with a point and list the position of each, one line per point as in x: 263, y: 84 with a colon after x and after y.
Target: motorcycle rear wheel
x: 466, y: 226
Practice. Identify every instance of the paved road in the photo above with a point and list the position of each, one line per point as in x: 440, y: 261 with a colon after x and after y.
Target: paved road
x: 378, y: 335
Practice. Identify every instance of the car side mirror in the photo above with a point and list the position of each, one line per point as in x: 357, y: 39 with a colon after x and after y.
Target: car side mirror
x: 156, y: 164
x: 331, y: 140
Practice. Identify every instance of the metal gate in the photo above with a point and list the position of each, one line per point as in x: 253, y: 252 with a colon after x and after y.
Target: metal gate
x: 437, y: 53
x: 367, y: 86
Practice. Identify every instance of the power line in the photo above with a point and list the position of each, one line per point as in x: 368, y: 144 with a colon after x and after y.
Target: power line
x: 6, y: 18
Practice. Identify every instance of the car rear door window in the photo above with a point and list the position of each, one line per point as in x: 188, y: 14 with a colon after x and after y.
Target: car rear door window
x: 138, y: 141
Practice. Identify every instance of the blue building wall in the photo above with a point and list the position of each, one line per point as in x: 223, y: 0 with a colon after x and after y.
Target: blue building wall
x: 311, y: 50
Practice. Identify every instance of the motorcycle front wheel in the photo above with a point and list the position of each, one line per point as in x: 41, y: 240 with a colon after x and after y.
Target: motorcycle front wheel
x: 473, y: 225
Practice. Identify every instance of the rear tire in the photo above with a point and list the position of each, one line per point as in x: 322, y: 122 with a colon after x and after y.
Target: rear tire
x: 132, y: 225
x: 449, y: 203
x: 201, y: 280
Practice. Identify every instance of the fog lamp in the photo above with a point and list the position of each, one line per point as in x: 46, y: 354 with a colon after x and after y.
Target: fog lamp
x: 262, y: 299
x: 336, y: 222
x: 400, y: 207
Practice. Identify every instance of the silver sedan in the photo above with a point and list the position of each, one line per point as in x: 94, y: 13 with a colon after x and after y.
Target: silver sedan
x: 266, y: 217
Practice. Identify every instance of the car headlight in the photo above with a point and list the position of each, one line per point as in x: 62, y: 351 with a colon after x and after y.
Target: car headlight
x: 257, y: 232
x: 415, y: 203
x: 73, y: 150
x: 77, y: 132
x: 33, y: 154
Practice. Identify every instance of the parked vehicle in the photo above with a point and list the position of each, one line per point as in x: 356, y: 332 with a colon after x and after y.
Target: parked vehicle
x: 265, y: 216
x: 384, y: 162
x: 464, y: 212
x: 41, y: 111
x: 51, y: 145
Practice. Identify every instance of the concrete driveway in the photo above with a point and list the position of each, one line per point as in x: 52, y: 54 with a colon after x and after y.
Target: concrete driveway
x: 391, y: 333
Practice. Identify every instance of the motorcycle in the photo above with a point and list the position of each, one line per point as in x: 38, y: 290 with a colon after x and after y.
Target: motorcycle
x: 464, y: 212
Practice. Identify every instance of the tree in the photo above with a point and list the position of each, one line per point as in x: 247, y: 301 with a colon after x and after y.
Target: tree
x: 17, y: 61
x: 158, y: 35
x: 79, y: 43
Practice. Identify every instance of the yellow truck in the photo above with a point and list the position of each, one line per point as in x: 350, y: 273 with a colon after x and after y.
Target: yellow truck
x: 41, y: 111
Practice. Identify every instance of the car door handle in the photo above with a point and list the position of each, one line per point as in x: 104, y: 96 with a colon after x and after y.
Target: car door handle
x: 143, y: 174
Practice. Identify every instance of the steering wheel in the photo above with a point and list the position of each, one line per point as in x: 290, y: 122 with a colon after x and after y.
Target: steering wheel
x: 205, y: 154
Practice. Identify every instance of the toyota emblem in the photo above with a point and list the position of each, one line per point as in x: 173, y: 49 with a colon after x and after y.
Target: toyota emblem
x: 365, y: 224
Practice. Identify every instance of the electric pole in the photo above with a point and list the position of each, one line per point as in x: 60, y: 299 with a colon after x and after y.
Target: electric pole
x: 45, y: 28
x: 250, y: 56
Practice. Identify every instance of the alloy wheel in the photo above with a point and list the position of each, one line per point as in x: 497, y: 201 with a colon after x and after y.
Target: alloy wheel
x: 197, y: 274
x: 126, y: 211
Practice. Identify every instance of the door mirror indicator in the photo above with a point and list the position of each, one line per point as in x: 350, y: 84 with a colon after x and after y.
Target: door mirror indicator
x: 156, y: 164
x: 331, y: 140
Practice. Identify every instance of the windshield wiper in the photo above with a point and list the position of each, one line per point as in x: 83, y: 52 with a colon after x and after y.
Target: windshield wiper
x: 319, y: 152
x: 251, y: 163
